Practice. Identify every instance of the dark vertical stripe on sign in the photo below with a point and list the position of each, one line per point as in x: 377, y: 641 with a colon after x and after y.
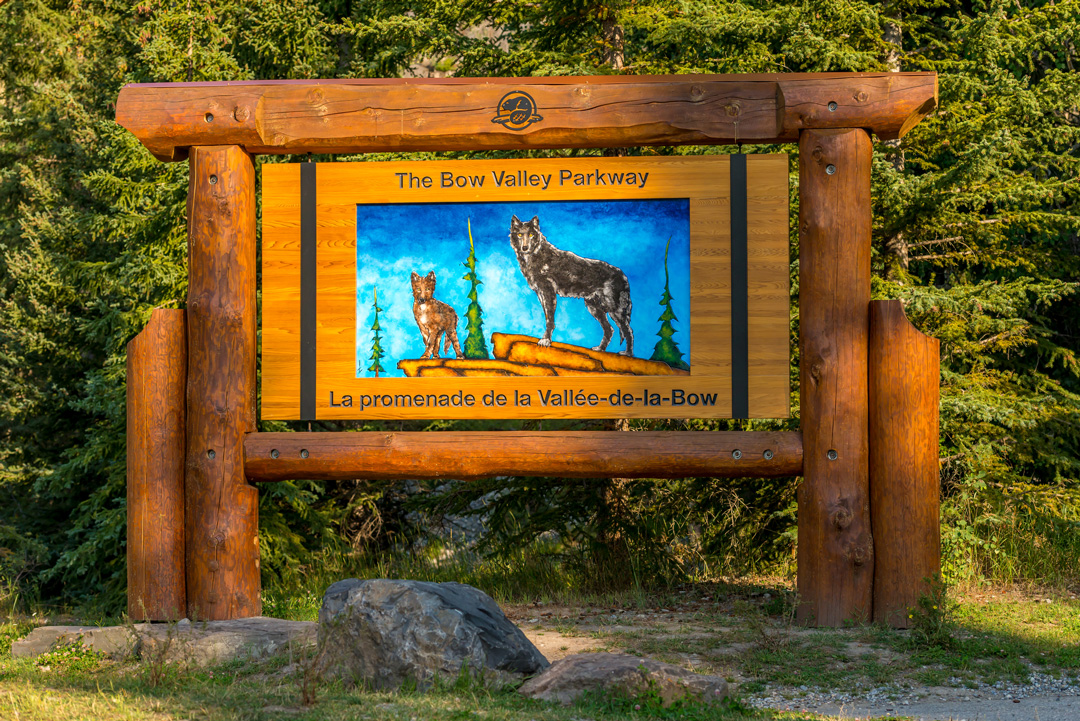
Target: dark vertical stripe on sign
x: 307, y: 291
x: 740, y: 340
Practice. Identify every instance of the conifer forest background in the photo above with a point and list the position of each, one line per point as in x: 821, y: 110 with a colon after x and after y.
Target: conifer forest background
x: 976, y: 227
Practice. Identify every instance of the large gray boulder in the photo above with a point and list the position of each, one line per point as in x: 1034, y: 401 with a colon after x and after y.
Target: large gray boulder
x: 382, y: 633
x: 570, y: 677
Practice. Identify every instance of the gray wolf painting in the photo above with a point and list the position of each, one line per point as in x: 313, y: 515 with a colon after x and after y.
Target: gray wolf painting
x: 554, y: 273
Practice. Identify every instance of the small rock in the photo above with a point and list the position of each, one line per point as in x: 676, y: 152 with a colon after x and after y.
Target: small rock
x: 212, y: 642
x: 384, y: 632
x: 200, y: 644
x: 113, y: 641
x: 572, y: 676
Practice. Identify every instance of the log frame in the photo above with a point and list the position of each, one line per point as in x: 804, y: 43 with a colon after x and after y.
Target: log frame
x: 426, y: 114
x: 831, y: 115
x: 477, y: 454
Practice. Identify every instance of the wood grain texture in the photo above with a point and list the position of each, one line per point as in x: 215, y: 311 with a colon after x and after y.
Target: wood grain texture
x: 221, y: 508
x: 156, y: 377
x: 418, y: 114
x: 581, y: 454
x: 704, y: 180
x: 280, y: 336
x: 768, y: 285
x: 904, y: 382
x: 836, y: 550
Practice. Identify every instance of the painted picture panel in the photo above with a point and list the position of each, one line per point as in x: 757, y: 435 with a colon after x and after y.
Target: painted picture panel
x: 587, y: 287
x: 567, y: 288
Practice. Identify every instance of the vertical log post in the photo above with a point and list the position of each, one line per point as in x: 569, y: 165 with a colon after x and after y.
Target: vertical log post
x: 836, y: 550
x: 222, y: 515
x: 156, y: 374
x: 904, y: 486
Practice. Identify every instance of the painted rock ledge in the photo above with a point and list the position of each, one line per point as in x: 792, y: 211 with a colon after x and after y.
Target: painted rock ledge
x: 519, y: 355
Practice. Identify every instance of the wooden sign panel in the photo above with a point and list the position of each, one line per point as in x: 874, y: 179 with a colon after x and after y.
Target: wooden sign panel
x: 553, y: 288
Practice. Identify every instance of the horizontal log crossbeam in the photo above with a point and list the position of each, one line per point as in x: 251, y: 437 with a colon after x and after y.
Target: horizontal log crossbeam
x: 471, y: 455
x: 431, y: 114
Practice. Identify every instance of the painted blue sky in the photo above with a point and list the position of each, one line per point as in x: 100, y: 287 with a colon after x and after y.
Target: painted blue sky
x: 394, y: 240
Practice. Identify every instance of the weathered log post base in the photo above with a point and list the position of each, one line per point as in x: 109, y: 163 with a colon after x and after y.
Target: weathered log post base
x: 904, y: 486
x: 156, y: 375
x: 222, y: 516
x: 836, y: 550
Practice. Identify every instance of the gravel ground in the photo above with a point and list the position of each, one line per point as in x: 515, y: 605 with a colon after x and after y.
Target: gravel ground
x: 1043, y: 698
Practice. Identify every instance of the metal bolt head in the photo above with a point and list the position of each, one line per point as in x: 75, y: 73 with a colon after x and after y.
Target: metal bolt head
x: 213, y: 179
x: 303, y: 453
x: 831, y: 455
x: 274, y: 453
x: 830, y: 169
x: 768, y: 454
x: 211, y: 454
x: 736, y: 454
x: 209, y: 117
x: 832, y: 106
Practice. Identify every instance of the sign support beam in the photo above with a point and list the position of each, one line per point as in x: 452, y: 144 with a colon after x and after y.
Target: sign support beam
x: 905, y: 502
x: 836, y: 550
x: 156, y: 378
x: 365, y: 115
x: 222, y: 512
x: 569, y: 454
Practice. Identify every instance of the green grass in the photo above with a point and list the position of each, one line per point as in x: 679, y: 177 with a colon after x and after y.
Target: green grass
x: 261, y: 691
x: 1006, y: 640
x: 742, y: 631
x: 979, y: 643
x: 531, y: 574
x: 535, y: 574
x: 10, y: 631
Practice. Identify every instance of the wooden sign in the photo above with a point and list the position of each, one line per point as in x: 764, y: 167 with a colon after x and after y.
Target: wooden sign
x: 554, y: 288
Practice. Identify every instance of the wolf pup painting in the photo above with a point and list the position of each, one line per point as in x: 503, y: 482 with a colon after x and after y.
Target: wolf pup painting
x: 556, y: 288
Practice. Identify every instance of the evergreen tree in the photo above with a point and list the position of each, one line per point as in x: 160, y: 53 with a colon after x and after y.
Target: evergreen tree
x: 475, y: 346
x: 976, y: 226
x: 976, y: 216
x: 92, y: 238
x: 666, y: 349
x: 376, y: 340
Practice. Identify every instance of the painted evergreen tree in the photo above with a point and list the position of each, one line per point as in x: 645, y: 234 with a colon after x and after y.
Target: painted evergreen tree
x: 475, y: 347
x: 666, y: 349
x: 377, y: 351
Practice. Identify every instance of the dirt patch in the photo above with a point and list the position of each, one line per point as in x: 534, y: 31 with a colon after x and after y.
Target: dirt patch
x: 747, y: 636
x: 554, y: 645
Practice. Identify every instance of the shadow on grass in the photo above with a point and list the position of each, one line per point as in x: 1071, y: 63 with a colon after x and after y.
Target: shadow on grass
x: 259, y: 691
